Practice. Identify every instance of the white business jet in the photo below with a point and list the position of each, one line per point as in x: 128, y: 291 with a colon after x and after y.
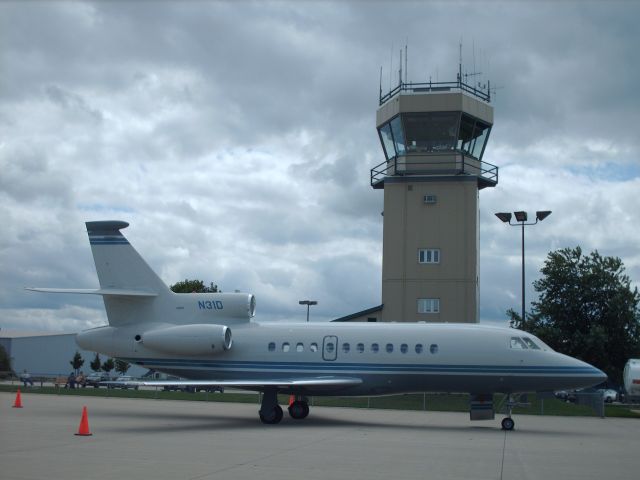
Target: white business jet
x: 210, y: 339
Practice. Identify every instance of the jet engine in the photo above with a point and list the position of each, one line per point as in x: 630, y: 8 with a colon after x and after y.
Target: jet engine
x: 196, y: 339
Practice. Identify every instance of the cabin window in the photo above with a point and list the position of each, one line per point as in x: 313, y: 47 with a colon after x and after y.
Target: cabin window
x: 433, y: 348
x: 286, y: 347
x: 346, y: 347
x: 272, y: 347
x: 530, y: 343
x: 517, y: 343
x: 313, y: 347
x: 419, y: 348
x: 300, y: 347
x: 389, y: 348
x: 404, y: 348
x: 360, y: 348
x: 329, y: 347
x: 375, y: 348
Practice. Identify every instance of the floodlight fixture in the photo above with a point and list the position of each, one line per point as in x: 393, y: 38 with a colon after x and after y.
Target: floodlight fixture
x: 505, y: 217
x: 521, y: 216
x: 541, y: 215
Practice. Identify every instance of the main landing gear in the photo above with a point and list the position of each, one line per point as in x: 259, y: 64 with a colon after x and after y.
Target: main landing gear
x: 271, y: 413
x: 299, y: 408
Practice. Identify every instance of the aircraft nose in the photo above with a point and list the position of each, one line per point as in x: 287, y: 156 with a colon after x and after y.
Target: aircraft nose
x: 594, y: 375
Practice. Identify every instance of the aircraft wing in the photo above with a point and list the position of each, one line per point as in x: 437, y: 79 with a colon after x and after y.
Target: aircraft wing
x: 328, y: 382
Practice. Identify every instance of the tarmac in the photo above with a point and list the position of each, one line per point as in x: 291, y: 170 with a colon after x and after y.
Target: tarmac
x: 161, y: 439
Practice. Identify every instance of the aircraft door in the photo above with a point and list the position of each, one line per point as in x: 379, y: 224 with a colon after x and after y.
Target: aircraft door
x: 330, y: 348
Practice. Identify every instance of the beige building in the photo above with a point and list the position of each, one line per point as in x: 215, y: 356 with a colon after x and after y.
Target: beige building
x: 433, y: 137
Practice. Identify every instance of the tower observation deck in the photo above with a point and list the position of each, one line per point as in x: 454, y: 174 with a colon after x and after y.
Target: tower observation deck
x: 434, y: 136
x: 438, y: 129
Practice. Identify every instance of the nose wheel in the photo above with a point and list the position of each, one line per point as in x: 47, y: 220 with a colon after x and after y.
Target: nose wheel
x: 508, y: 424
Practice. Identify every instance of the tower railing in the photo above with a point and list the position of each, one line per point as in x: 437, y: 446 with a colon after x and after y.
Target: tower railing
x: 437, y: 87
x: 486, y: 172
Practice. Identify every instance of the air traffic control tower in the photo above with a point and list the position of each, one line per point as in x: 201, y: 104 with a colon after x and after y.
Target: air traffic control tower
x: 433, y: 136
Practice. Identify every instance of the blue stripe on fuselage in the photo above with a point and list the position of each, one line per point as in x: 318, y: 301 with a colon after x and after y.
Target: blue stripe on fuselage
x: 359, y: 367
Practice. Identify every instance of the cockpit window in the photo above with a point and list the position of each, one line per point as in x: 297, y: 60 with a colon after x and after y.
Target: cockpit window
x: 530, y: 343
x: 517, y: 343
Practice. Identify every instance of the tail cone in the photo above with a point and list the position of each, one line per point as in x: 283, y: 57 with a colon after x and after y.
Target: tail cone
x: 83, y: 430
x: 18, y: 402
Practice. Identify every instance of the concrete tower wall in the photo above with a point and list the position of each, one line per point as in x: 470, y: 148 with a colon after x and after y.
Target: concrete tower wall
x: 450, y: 226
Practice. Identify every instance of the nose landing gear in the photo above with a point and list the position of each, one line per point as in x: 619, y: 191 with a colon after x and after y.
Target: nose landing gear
x: 507, y: 423
x: 510, y: 402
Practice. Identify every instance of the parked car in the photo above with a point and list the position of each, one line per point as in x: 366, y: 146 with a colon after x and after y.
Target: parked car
x: 609, y: 394
x: 123, y: 382
x: 94, y: 379
x: 562, y: 395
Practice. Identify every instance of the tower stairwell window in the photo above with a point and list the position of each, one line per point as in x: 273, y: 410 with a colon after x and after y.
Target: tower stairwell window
x: 428, y: 305
x: 429, y: 255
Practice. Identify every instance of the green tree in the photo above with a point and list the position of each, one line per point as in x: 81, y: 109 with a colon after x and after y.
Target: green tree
x: 96, y: 364
x: 76, y: 362
x: 193, y: 286
x: 122, y: 366
x: 108, y: 365
x: 587, y: 309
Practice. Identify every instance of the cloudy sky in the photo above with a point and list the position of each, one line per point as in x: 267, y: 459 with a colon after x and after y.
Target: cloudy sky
x: 237, y: 137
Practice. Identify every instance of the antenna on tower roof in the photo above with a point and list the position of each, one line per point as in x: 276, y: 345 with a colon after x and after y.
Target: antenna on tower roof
x: 460, y: 63
x: 406, y: 67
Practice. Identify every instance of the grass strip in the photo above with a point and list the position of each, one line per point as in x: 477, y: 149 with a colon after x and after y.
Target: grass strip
x: 415, y: 401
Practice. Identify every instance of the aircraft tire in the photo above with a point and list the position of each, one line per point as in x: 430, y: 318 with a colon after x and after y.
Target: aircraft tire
x: 275, y: 416
x: 299, y: 410
x: 508, y: 424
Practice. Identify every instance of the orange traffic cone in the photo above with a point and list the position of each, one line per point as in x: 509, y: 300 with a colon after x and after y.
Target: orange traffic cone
x: 83, y: 430
x: 18, y: 402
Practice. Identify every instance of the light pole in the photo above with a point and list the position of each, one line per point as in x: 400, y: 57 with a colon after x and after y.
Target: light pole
x: 521, y: 219
x: 308, y: 303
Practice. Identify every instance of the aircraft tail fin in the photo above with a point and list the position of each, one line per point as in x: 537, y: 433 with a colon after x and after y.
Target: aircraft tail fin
x: 118, y: 264
x: 129, y: 287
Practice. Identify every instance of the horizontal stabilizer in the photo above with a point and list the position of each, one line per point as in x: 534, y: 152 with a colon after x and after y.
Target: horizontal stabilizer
x: 117, y: 292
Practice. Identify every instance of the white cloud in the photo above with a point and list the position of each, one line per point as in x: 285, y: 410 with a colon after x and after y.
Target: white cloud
x: 237, y: 141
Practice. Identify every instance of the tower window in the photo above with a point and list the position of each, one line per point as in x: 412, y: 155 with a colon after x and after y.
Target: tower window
x: 428, y: 305
x: 429, y: 255
x: 398, y: 135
